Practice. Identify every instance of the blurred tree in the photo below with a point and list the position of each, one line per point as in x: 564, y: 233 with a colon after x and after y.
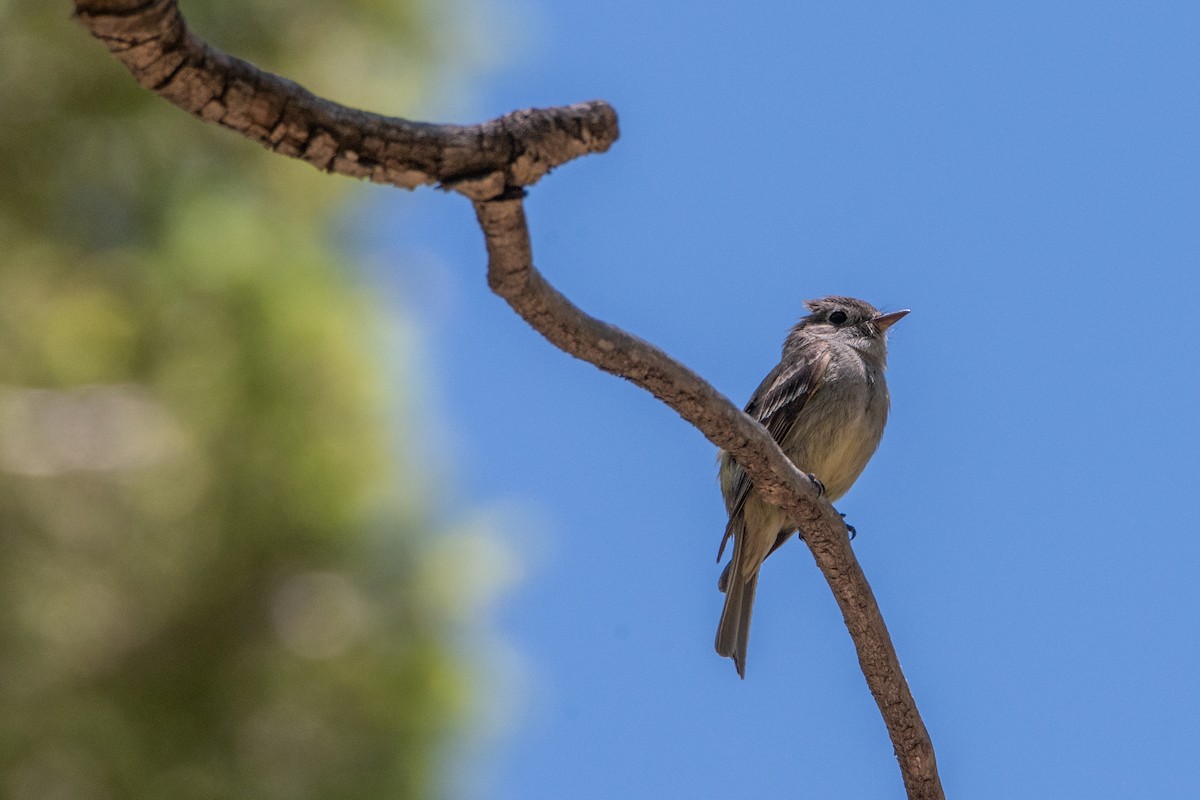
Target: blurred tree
x: 208, y: 570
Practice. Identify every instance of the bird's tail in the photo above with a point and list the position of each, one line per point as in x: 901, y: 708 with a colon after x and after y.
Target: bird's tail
x: 733, y: 631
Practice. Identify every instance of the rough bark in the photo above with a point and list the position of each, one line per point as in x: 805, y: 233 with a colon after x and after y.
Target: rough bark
x: 491, y: 164
x: 155, y: 44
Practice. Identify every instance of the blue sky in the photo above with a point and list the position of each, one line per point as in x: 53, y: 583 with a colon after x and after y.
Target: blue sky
x: 1026, y: 178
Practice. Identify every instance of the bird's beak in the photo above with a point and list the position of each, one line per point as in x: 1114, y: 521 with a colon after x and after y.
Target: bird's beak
x: 885, y: 321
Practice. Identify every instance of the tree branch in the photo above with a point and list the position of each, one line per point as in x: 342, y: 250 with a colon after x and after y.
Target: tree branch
x: 152, y: 40
x: 511, y: 275
x: 491, y: 164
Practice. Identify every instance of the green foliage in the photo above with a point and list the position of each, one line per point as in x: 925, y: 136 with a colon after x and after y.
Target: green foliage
x: 208, y: 587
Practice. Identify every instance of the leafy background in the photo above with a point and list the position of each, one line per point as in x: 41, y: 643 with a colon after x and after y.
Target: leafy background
x: 223, y: 571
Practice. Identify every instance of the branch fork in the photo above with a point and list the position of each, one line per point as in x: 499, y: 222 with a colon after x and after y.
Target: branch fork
x: 492, y: 164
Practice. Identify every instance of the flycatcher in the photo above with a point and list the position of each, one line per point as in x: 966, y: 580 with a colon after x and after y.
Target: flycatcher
x: 826, y: 403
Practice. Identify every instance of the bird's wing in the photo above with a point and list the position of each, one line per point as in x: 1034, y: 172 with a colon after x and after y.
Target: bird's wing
x: 776, y: 403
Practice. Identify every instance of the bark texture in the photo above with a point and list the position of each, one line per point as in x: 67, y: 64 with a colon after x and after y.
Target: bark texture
x: 491, y: 164
x: 155, y: 44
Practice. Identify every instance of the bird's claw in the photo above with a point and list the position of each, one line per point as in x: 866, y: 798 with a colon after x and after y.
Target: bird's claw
x: 817, y: 481
x: 849, y: 527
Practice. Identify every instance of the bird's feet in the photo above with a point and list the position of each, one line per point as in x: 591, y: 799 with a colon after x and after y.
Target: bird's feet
x: 817, y: 481
x: 849, y: 527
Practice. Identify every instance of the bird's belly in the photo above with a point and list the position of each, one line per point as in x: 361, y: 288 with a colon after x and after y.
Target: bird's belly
x: 837, y: 448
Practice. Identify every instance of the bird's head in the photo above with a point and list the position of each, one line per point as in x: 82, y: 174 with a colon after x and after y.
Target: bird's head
x: 849, y: 321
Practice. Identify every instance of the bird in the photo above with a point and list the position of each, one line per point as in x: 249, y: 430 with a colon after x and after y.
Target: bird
x: 826, y: 403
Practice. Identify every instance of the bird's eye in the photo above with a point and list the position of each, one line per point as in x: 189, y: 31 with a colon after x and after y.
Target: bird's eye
x: 837, y: 317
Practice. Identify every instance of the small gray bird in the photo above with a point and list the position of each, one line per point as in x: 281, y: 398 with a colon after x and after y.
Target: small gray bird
x: 826, y: 403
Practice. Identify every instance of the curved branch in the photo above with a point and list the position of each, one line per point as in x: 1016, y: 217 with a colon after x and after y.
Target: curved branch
x: 152, y: 39
x: 511, y: 275
x: 492, y: 163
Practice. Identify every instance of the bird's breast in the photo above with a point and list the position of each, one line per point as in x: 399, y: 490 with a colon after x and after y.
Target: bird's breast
x: 839, y: 430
